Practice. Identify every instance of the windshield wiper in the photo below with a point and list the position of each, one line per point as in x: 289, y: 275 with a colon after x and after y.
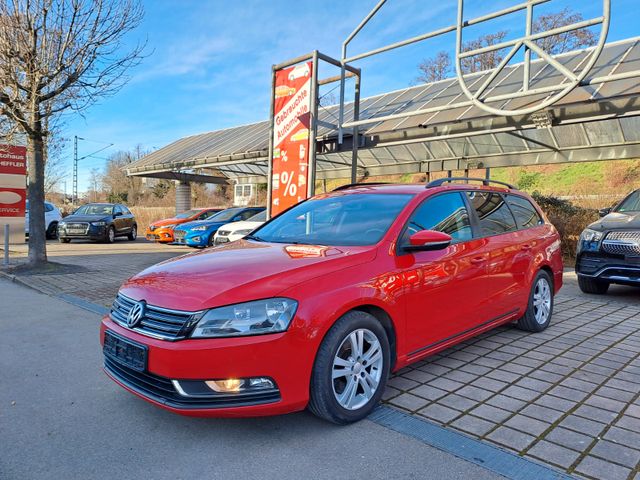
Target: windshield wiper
x: 253, y: 237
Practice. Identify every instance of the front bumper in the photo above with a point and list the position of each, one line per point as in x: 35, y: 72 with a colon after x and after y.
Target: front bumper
x: 199, y: 238
x: 162, y: 235
x: 208, y: 359
x: 95, y: 233
x: 610, y: 268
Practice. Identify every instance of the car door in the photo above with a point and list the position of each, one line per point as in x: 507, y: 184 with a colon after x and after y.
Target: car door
x: 119, y: 222
x: 128, y: 217
x: 445, y: 288
x: 498, y: 227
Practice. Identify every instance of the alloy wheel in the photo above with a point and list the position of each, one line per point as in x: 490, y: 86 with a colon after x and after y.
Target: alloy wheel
x: 357, y: 369
x: 542, y: 301
x: 112, y: 235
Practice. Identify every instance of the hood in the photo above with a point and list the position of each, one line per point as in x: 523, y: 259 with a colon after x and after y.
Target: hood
x: 237, y: 272
x: 168, y: 221
x: 617, y: 221
x: 206, y: 223
x: 86, y: 218
x: 245, y: 225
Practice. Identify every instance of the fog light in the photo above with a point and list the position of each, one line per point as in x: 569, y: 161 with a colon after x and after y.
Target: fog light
x: 225, y: 386
x: 209, y: 388
x: 196, y: 239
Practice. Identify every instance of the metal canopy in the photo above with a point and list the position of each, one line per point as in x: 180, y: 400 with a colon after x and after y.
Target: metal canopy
x: 598, y: 120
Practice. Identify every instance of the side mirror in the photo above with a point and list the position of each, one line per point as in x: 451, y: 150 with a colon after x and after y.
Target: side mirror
x: 426, y: 240
x: 603, y: 212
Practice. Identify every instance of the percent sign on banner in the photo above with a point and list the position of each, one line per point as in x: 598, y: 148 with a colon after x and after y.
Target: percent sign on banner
x: 290, y: 189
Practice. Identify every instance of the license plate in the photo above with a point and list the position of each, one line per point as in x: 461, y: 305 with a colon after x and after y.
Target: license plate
x: 222, y: 240
x: 76, y: 231
x: 132, y: 355
x: 179, y: 235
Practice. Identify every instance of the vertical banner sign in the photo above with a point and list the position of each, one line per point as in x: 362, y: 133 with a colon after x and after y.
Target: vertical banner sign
x: 13, y: 191
x: 291, y: 126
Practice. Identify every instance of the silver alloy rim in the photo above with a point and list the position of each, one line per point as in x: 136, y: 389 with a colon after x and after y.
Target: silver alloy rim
x: 112, y: 235
x: 357, y: 369
x: 134, y: 232
x: 542, y: 301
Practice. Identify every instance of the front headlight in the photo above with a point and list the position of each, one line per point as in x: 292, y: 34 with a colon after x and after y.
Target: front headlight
x: 171, y: 225
x: 199, y: 228
x: 589, y: 235
x: 243, y: 232
x: 251, y: 318
x: 98, y: 224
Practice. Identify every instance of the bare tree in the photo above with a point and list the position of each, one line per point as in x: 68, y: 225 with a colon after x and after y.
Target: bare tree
x: 119, y: 186
x: 564, y: 42
x: 435, y: 68
x: 483, y: 61
x: 57, y: 56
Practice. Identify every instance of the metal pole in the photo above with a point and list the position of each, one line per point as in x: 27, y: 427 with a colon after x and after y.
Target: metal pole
x: 313, y: 128
x: 6, y: 245
x: 355, y: 137
x: 487, y: 173
x: 527, y: 51
x: 75, y: 171
x: 270, y: 159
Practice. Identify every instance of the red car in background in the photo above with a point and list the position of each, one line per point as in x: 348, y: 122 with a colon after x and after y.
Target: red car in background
x: 317, y: 306
x: 162, y: 230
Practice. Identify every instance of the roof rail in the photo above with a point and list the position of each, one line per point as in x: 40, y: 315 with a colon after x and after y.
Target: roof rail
x: 354, y: 185
x: 485, y: 181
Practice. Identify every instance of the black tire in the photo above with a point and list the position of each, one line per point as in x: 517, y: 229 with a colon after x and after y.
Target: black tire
x: 323, y: 402
x: 133, y: 234
x: 528, y: 321
x: 52, y: 231
x: 210, y: 242
x: 64, y: 240
x: 592, y: 285
x: 111, y: 235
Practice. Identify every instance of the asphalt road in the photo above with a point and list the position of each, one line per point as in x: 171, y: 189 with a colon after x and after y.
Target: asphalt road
x: 60, y: 417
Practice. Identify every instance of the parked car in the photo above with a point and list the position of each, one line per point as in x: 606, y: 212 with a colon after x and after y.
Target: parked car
x: 201, y: 233
x: 237, y: 230
x: 52, y: 216
x: 100, y: 222
x: 162, y: 230
x: 609, y: 249
x: 318, y: 305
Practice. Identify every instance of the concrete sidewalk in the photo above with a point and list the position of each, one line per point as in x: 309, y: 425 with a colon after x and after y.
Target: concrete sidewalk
x: 60, y: 417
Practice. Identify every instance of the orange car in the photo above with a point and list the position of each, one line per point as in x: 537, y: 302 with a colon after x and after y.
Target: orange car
x: 162, y: 230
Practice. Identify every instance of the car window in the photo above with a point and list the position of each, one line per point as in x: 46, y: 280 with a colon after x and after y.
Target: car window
x: 247, y: 214
x: 348, y: 219
x: 205, y: 215
x: 630, y: 204
x: 225, y: 215
x: 117, y: 209
x: 445, y: 213
x: 125, y: 210
x: 526, y: 214
x: 259, y: 217
x: 493, y: 213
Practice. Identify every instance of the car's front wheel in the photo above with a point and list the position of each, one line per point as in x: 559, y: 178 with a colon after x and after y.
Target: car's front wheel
x: 111, y: 235
x: 52, y: 231
x: 592, y: 285
x: 351, y: 369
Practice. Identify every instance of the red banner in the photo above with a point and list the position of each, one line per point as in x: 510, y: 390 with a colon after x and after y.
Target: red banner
x: 13, y: 160
x: 12, y: 202
x: 291, y: 126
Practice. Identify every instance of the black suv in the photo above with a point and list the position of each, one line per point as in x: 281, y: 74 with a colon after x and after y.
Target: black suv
x: 609, y: 249
x: 98, y: 221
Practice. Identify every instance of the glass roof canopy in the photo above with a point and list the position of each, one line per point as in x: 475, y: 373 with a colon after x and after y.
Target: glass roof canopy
x: 599, y: 120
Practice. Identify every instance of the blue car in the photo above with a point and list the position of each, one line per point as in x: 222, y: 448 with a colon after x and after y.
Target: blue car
x: 200, y: 234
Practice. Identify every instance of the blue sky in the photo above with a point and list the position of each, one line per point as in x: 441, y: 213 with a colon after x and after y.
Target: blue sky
x: 209, y: 62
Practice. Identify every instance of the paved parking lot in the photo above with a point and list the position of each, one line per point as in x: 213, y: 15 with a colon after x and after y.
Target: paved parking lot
x: 568, y: 397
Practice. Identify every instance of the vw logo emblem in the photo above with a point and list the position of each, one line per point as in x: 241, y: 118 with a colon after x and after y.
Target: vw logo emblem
x: 136, y: 314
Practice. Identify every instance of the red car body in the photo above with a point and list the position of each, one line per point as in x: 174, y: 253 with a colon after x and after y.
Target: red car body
x: 466, y: 288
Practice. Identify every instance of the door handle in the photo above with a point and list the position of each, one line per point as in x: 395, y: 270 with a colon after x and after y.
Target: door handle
x: 477, y: 260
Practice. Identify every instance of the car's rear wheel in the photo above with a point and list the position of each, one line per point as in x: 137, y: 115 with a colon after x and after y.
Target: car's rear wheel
x: 64, y: 240
x: 133, y: 234
x: 111, y: 235
x: 591, y: 285
x: 351, y: 369
x: 540, y: 307
x: 52, y: 231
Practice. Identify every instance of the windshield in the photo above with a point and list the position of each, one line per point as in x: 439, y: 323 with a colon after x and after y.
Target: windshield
x: 94, y: 209
x: 225, y: 215
x: 350, y: 220
x: 258, y: 217
x: 187, y: 214
x: 631, y: 203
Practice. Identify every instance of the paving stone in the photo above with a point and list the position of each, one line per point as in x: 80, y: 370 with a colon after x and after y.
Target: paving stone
x: 457, y: 402
x: 594, y: 413
x: 439, y: 413
x: 390, y: 392
x: 433, y: 369
x: 430, y: 393
x: 506, y: 403
x: 633, y: 410
x: 493, y: 414
x: 560, y: 404
x: 570, y: 439
x: 597, y: 468
x: 538, y: 412
x: 445, y: 384
x: 606, y: 403
x: 510, y: 438
x: 577, y: 384
x: 568, y: 393
x: 630, y: 423
x: 409, y: 402
x: 474, y: 425
x: 534, y: 384
x: 583, y: 425
x: 555, y: 454
x: 402, y: 383
x: 546, y: 376
x: 489, y: 384
x: 475, y: 369
x: 419, y: 376
x: 617, y: 453
x: 623, y: 385
x: 527, y: 425
x: 503, y: 375
x: 460, y: 376
x: 474, y: 393
x: 615, y: 394
x: 520, y: 393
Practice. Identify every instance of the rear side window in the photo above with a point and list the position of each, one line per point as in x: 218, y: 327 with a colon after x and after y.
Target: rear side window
x: 493, y: 213
x: 445, y: 213
x: 526, y: 214
x: 117, y: 209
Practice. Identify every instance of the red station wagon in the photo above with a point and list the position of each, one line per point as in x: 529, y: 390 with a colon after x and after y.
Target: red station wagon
x: 319, y: 305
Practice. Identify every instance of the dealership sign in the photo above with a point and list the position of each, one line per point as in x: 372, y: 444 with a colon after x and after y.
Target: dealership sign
x: 291, y: 126
x: 13, y: 192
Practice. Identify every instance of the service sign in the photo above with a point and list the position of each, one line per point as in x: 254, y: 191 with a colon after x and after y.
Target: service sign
x: 292, y: 115
x: 13, y: 191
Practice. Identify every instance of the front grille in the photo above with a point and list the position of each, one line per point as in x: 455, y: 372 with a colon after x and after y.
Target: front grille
x: 161, y: 390
x: 179, y: 234
x: 622, y: 243
x: 76, y: 228
x: 157, y: 322
x: 224, y: 233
